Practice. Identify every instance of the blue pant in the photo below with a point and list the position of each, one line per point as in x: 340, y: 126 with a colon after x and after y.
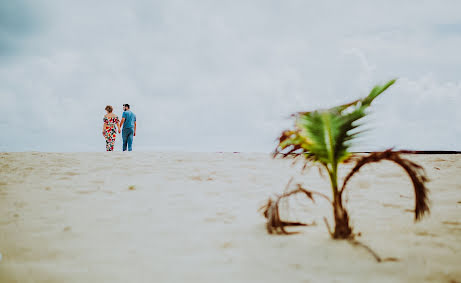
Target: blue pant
x: 127, y: 135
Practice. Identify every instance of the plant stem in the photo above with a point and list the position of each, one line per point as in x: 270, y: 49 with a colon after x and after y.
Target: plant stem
x: 342, y: 229
x: 334, y: 181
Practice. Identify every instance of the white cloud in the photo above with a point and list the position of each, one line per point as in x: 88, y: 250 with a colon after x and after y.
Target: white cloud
x: 207, y: 75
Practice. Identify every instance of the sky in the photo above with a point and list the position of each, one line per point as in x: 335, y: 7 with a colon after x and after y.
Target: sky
x: 225, y: 75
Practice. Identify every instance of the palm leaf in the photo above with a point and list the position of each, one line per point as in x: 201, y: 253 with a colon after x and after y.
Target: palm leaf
x: 326, y: 135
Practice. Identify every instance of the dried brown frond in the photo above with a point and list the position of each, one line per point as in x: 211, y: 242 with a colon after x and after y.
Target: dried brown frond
x: 354, y: 157
x: 275, y: 225
x: 414, y: 171
x: 289, y: 144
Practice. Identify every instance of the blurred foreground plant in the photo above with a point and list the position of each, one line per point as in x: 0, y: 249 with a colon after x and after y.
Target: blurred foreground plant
x: 325, y: 137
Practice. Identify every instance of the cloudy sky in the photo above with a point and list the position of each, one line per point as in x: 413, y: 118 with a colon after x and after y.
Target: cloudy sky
x: 225, y: 75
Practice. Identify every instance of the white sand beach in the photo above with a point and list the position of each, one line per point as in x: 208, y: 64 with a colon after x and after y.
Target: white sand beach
x: 193, y: 217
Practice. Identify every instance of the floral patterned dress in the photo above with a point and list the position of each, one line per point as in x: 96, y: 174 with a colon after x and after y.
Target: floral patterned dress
x: 110, y: 126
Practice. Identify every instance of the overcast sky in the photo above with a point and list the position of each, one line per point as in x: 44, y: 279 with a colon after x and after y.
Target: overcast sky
x: 225, y: 75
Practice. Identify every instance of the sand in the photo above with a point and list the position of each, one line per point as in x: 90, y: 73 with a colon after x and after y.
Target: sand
x: 192, y: 217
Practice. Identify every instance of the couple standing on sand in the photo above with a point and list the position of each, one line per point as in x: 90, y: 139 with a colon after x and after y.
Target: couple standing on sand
x: 109, y: 127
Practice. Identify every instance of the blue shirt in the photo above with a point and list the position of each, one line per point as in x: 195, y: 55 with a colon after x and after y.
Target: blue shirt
x: 130, y: 118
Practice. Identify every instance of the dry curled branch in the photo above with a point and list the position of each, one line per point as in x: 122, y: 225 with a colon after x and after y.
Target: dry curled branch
x: 275, y: 225
x: 414, y: 171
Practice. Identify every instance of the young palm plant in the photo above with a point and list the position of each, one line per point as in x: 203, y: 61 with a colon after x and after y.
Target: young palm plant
x: 325, y: 137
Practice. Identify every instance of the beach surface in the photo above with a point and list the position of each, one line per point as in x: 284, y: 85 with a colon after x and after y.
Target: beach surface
x: 193, y: 217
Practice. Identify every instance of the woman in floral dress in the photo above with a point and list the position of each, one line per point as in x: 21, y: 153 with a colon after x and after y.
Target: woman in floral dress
x: 109, y: 128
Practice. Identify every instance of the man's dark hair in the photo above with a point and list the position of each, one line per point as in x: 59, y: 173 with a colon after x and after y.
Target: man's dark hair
x: 127, y: 105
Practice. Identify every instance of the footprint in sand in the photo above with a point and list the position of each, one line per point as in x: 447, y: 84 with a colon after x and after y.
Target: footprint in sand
x: 201, y: 178
x: 87, y: 191
x: 363, y: 184
x: 196, y: 178
x: 296, y: 266
x: 455, y: 223
x: 391, y: 205
x: 19, y: 204
x: 226, y: 245
x: 453, y: 226
x: 223, y: 217
x: 425, y: 233
x: 394, y: 175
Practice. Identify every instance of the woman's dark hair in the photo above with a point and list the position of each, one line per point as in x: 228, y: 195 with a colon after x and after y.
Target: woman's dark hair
x: 109, y: 108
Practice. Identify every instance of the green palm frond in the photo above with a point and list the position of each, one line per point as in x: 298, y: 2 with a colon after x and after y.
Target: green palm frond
x: 326, y: 135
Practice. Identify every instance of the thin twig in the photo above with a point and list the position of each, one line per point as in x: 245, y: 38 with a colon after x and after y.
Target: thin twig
x: 316, y: 193
x: 373, y: 253
x: 328, y: 226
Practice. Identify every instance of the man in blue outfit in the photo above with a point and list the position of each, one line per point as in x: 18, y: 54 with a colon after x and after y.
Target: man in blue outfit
x: 129, y: 127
